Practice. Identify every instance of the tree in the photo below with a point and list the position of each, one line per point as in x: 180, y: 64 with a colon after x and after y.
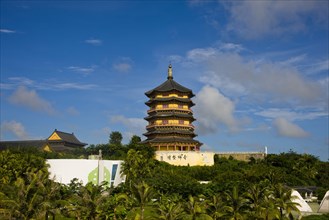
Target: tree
x: 216, y: 207
x: 114, y: 207
x: 136, y: 167
x: 86, y: 203
x: 135, y: 143
x: 14, y: 165
x: 261, y: 201
x: 134, y: 140
x: 195, y: 209
x: 142, y: 195
x: 168, y: 180
x: 236, y: 205
x: 283, y: 201
x: 115, y: 138
x: 170, y: 207
x: 33, y: 198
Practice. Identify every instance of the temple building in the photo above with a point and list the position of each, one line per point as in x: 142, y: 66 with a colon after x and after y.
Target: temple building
x: 170, y: 117
x: 58, y: 141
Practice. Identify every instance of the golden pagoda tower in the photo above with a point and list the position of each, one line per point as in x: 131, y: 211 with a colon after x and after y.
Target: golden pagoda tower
x: 170, y: 117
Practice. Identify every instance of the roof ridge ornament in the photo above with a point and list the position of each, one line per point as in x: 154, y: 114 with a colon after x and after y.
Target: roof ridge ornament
x: 170, y: 76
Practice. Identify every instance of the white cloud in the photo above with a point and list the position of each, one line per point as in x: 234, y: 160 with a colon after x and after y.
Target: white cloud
x: 294, y: 60
x: 133, y: 125
x: 213, y: 110
x: 201, y: 54
x: 72, y: 111
x: 94, y: 42
x: 30, y: 99
x: 264, y: 80
x: 288, y: 129
x: 64, y: 86
x: 15, y: 82
x: 321, y: 66
x: 175, y: 59
x: 122, y: 67
x: 15, y: 128
x: 292, y: 115
x: 7, y: 31
x: 231, y: 47
x: 82, y: 70
x: 123, y: 64
x: 255, y: 19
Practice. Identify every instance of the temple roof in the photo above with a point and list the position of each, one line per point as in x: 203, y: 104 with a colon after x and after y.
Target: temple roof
x: 171, y: 115
x: 183, y: 132
x: 169, y: 99
x: 170, y: 140
x: 66, y: 137
x: 170, y: 85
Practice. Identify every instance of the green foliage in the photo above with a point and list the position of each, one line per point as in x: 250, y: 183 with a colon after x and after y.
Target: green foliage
x: 14, y: 165
x: 115, y: 138
x: 316, y: 217
x: 137, y: 166
x: 167, y: 180
x: 157, y: 190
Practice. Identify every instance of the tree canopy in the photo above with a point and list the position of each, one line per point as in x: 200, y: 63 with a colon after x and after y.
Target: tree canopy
x: 259, y: 189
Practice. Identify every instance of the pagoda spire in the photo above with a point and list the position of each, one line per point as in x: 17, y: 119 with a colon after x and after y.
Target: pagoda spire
x: 170, y: 72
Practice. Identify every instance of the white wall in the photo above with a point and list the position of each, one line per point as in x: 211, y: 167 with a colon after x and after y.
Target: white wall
x: 184, y: 158
x: 96, y: 171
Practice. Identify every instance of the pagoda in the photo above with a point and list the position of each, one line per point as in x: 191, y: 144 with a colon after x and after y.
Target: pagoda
x: 170, y: 117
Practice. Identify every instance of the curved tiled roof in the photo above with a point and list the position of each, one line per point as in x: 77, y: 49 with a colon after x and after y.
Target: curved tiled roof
x: 170, y: 115
x: 169, y: 99
x: 183, y: 132
x: 68, y: 138
x: 171, y: 139
x: 170, y: 85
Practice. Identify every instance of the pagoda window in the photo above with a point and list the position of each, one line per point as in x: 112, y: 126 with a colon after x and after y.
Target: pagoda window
x: 165, y: 105
x: 181, y: 122
x: 180, y: 106
x: 165, y: 122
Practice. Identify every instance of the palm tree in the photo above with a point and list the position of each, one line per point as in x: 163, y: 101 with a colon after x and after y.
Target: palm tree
x: 86, y: 202
x: 170, y: 208
x: 114, y: 206
x: 52, y: 198
x: 283, y: 200
x: 30, y: 198
x: 142, y: 195
x: 195, y: 209
x: 261, y: 201
x: 136, y: 167
x: 216, y: 207
x: 236, y: 205
x: 256, y: 195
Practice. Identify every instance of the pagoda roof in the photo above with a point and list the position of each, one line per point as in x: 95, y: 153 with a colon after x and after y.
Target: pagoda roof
x: 169, y: 85
x: 171, y: 140
x: 185, y: 132
x: 169, y: 114
x: 66, y: 137
x: 169, y: 99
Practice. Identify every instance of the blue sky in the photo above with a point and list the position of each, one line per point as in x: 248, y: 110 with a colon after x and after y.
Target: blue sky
x: 259, y: 70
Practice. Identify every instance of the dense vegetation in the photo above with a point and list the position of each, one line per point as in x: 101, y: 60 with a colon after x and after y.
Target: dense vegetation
x: 259, y: 189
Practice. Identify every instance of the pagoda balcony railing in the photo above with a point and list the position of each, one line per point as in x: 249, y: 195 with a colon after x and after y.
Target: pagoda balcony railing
x: 169, y: 125
x: 169, y: 108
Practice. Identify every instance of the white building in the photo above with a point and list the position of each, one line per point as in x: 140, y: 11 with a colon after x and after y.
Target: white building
x: 95, y: 171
